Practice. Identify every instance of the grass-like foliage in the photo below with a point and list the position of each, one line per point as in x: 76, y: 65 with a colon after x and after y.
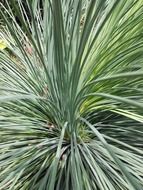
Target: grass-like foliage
x: 71, y: 95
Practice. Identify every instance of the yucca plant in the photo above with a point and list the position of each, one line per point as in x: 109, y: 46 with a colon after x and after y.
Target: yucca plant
x: 71, y: 99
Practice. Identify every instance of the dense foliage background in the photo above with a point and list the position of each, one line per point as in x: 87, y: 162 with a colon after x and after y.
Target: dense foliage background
x: 71, y: 95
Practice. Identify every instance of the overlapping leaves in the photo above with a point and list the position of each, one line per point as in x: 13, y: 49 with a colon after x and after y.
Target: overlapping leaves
x: 71, y: 95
